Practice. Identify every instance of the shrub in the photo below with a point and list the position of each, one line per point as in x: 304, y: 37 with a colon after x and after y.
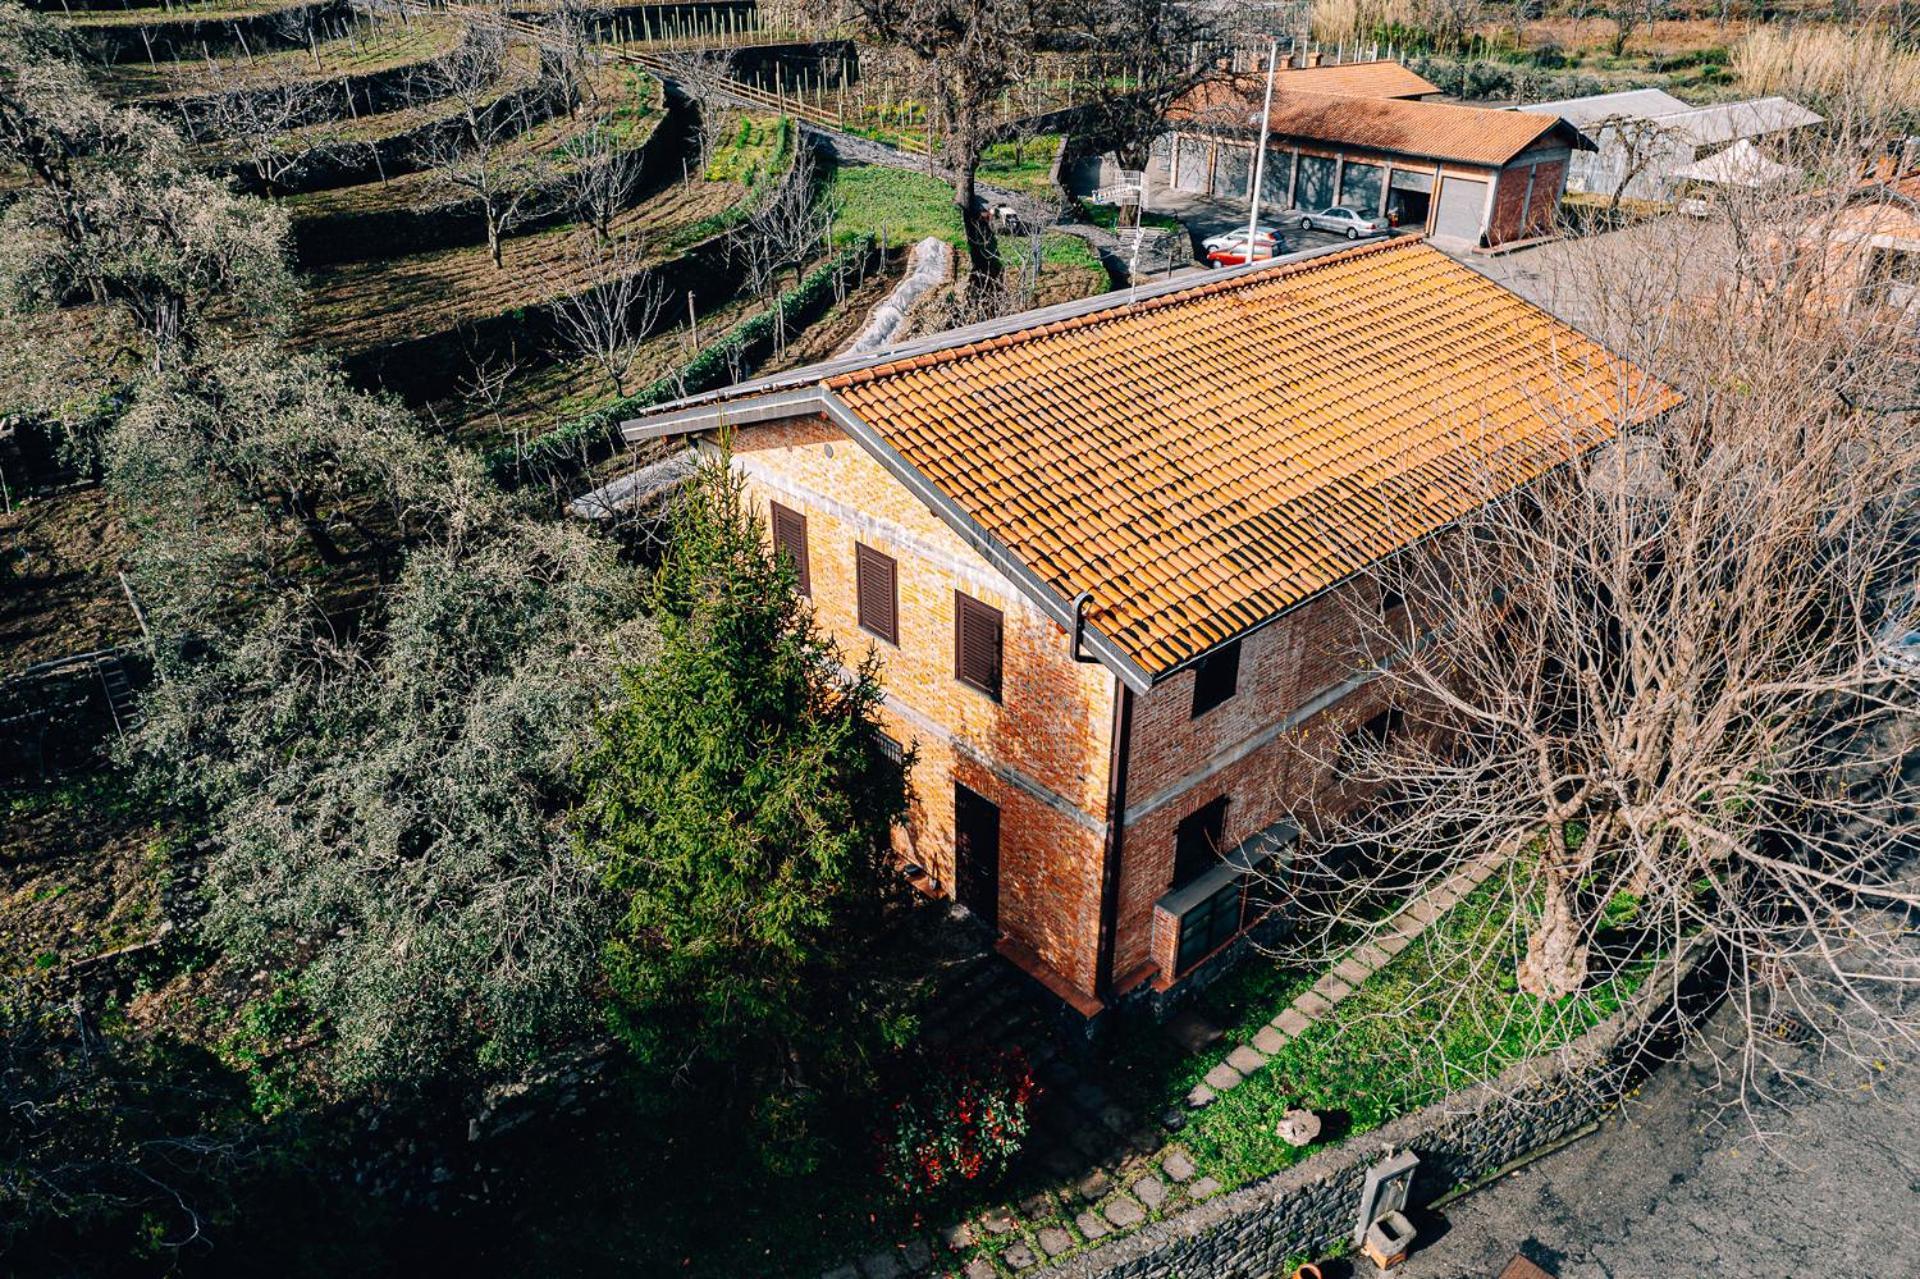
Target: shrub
x: 964, y: 1120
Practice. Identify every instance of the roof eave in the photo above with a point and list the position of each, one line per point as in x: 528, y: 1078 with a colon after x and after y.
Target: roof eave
x: 820, y: 399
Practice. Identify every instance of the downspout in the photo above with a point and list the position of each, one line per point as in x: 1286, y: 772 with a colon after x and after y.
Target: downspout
x: 1116, y: 835
x: 1116, y: 810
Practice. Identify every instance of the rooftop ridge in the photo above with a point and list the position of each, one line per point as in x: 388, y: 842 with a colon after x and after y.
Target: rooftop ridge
x: 1277, y: 269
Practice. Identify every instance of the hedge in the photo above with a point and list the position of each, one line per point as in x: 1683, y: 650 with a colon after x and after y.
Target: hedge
x: 576, y: 444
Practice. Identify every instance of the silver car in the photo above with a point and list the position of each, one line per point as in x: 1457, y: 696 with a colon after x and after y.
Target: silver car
x: 1342, y: 219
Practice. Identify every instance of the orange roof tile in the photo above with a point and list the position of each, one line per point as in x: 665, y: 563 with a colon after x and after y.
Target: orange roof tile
x: 1383, y: 78
x: 1436, y: 130
x: 1201, y: 461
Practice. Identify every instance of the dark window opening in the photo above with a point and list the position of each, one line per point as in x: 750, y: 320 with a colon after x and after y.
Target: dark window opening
x: 1215, y: 678
x: 976, y: 853
x: 1375, y: 732
x: 887, y: 748
x: 1391, y: 599
x: 1196, y: 842
x: 877, y: 583
x: 790, y: 540
x: 1209, y: 925
x: 977, y: 643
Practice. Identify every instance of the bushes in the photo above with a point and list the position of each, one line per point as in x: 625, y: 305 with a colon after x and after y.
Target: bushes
x: 964, y: 1120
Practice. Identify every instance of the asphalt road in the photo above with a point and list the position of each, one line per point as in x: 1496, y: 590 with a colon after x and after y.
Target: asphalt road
x: 1672, y: 1185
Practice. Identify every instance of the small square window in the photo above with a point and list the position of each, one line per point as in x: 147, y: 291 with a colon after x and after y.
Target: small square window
x: 1215, y: 678
x: 1196, y: 841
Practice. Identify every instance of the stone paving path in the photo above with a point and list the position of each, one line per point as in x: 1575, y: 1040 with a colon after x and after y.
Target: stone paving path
x: 1389, y: 938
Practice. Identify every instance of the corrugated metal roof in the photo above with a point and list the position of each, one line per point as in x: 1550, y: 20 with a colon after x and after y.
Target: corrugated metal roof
x: 1442, y: 131
x: 1631, y: 103
x: 1708, y: 126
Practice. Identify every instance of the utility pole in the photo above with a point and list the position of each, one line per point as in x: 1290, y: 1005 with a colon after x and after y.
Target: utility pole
x: 1260, y: 153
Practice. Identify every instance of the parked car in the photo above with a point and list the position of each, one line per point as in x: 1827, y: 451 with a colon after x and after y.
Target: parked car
x: 1006, y: 219
x: 1230, y: 249
x: 1342, y: 219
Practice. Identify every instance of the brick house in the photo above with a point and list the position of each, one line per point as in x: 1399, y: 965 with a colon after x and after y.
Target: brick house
x: 1468, y: 176
x: 1107, y: 550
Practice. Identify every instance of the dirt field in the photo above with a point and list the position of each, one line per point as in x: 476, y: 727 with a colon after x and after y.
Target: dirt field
x: 62, y: 596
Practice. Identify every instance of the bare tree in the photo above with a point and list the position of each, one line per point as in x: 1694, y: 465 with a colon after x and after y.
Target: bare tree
x: 1140, y: 55
x: 785, y: 227
x: 1629, y: 16
x: 481, y: 155
x: 261, y: 126
x: 1662, y: 686
x: 1638, y: 141
x: 601, y: 176
x: 968, y: 52
x: 607, y: 320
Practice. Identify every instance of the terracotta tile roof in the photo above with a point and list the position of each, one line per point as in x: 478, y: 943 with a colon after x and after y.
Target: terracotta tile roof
x: 1383, y: 78
x: 1437, y: 130
x: 1203, y: 460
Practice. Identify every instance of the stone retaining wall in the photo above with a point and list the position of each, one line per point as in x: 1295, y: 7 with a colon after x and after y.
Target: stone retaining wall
x: 1251, y: 1232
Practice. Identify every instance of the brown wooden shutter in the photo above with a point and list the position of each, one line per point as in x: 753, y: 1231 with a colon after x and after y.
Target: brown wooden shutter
x: 790, y: 536
x: 879, y: 612
x: 977, y: 632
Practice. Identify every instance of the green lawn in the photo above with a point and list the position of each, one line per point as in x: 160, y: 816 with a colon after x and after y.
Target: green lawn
x: 1440, y: 1017
x: 1025, y: 166
x: 893, y: 206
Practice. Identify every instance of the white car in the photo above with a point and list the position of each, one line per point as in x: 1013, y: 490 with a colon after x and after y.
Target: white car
x: 1230, y: 249
x: 1342, y: 219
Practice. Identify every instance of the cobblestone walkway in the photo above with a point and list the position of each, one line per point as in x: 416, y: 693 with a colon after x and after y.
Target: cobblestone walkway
x: 1390, y: 937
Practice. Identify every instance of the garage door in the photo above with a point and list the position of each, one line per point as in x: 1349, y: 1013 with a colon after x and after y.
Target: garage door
x: 1461, y: 203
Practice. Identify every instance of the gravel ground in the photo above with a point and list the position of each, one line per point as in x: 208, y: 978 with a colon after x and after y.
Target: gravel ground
x: 1670, y: 1186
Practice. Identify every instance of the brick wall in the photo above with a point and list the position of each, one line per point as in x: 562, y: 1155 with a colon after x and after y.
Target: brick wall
x: 1243, y: 749
x: 1041, y: 754
x: 1515, y: 215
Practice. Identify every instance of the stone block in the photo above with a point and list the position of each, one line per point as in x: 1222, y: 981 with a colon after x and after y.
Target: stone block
x: 1150, y: 1191
x: 997, y: 1221
x: 1173, y: 1119
x: 917, y: 1255
x: 1019, y: 1256
x: 1311, y: 1005
x: 1092, y: 1225
x: 1124, y: 1212
x: 1331, y: 988
x: 1223, y: 1078
x: 1204, y: 1188
x: 1291, y: 1022
x: 1268, y: 1040
x: 979, y: 1268
x: 1054, y: 1241
x: 956, y: 1238
x: 1093, y: 1185
x: 1177, y: 1165
x: 1037, y: 1207
x: 1352, y: 970
x: 1373, y: 954
x: 882, y: 1265
x: 1246, y: 1060
x: 1394, y: 943
x: 1200, y: 1098
x: 1192, y: 1031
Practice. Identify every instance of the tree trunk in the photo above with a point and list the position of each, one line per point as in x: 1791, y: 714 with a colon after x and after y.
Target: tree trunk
x: 981, y: 258
x: 1555, y: 963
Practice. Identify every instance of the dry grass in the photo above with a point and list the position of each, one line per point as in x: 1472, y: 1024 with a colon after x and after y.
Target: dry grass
x: 1860, y: 67
x: 155, y: 16
x: 368, y: 49
x: 361, y: 305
